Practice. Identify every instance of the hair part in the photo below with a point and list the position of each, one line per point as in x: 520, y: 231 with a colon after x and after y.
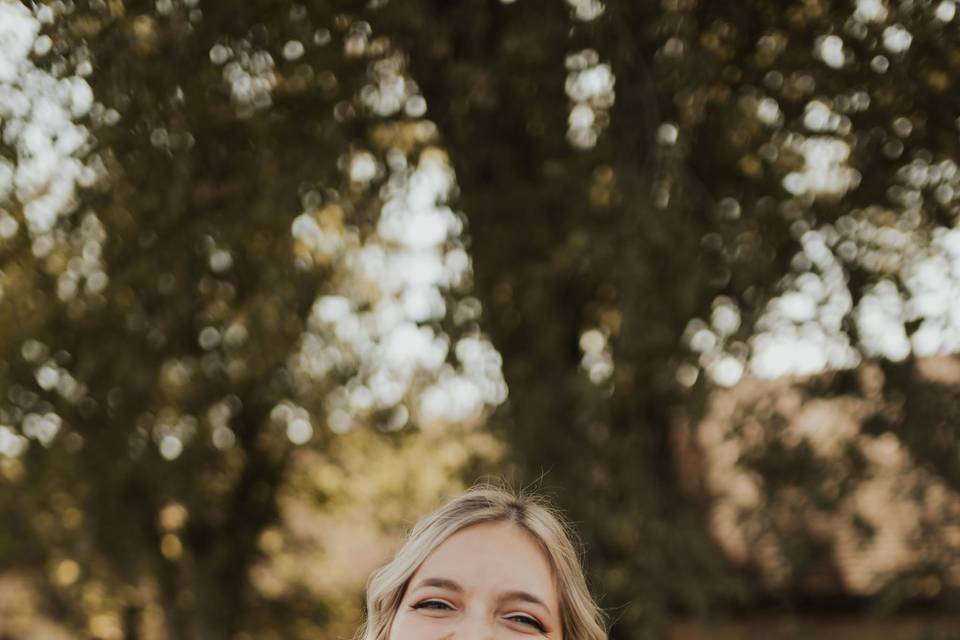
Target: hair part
x: 580, y: 618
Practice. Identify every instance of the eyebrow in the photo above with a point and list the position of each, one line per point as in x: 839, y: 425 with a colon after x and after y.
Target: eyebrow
x: 442, y: 583
x: 446, y: 583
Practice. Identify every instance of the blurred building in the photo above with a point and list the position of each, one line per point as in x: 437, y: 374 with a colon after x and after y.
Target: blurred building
x: 803, y: 487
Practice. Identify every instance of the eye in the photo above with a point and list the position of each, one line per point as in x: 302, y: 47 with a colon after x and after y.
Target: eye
x: 527, y: 620
x: 439, y: 605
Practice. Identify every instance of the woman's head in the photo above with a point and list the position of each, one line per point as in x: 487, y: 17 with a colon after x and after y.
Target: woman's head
x: 488, y: 564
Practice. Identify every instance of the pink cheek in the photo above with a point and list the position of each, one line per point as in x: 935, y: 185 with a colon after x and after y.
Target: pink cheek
x: 412, y: 626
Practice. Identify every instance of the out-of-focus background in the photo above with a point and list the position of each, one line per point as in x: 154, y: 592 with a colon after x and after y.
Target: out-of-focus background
x: 277, y: 278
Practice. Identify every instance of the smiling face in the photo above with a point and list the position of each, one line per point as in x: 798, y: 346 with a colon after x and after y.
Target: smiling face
x: 489, y: 581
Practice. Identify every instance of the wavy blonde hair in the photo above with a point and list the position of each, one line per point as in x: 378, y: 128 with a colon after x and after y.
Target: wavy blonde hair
x: 580, y: 618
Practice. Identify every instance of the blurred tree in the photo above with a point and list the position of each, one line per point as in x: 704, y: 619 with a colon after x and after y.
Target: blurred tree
x: 662, y: 197
x: 204, y: 286
x: 785, y: 173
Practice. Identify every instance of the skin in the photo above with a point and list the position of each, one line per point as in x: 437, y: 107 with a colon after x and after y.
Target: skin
x: 489, y: 581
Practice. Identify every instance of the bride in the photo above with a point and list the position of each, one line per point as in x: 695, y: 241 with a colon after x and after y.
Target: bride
x: 488, y: 565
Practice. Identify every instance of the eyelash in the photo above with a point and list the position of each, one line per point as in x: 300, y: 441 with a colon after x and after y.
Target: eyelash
x: 528, y: 620
x: 423, y: 605
x: 522, y: 619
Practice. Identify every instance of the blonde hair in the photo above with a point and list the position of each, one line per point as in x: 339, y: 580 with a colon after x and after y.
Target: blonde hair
x: 580, y: 618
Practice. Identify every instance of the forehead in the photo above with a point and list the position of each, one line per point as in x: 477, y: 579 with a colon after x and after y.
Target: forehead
x: 492, y: 556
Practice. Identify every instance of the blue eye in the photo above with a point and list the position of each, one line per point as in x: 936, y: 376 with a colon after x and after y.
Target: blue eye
x: 528, y: 620
x: 432, y: 604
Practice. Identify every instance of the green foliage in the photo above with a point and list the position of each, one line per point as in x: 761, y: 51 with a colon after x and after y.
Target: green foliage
x: 662, y: 198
